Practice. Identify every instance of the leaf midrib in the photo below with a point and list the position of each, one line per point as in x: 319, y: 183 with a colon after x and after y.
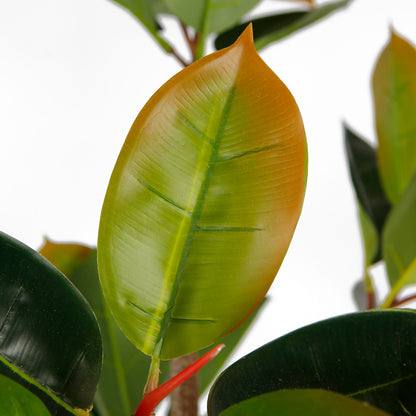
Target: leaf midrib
x: 193, y: 226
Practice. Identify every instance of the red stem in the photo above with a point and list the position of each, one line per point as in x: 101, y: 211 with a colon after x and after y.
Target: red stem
x: 147, y: 406
x: 371, y: 300
x: 400, y: 302
x: 179, y: 58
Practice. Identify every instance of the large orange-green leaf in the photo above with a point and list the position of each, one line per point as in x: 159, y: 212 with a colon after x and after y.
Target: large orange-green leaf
x: 202, y: 203
x: 394, y: 87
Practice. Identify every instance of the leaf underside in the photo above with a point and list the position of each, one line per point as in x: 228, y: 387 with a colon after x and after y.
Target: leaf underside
x: 202, y: 203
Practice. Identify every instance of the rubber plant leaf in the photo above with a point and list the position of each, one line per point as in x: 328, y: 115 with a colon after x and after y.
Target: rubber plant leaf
x: 202, y: 203
x: 367, y: 356
x: 362, y: 161
x: 399, y: 242
x: 208, y: 16
x: 269, y: 29
x: 394, y: 90
x: 305, y: 402
x: 124, y: 371
x: 15, y: 400
x: 49, y: 338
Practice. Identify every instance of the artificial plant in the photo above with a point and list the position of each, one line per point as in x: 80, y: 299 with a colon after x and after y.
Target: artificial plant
x: 198, y: 215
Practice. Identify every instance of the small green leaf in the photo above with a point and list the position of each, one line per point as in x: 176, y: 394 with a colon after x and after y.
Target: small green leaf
x: 373, y: 204
x: 270, y: 29
x: 394, y: 88
x: 371, y: 237
x: 305, y: 402
x: 399, y: 241
x: 49, y: 338
x: 202, y: 203
x: 15, y: 400
x: 367, y: 356
x: 209, y: 16
x: 147, y: 11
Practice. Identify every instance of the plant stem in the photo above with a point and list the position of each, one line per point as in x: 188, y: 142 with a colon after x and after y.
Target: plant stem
x: 397, y: 302
x: 184, y: 400
x: 200, y: 45
x: 369, y: 289
x: 191, y: 41
x: 153, y: 377
x: 178, y: 57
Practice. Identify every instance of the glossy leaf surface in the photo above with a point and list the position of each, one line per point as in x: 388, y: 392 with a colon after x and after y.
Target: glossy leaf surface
x: 202, y: 203
x: 399, y: 241
x: 305, y: 402
x: 15, y: 400
x: 49, y: 338
x: 394, y: 89
x: 212, y: 15
x: 367, y: 356
x: 124, y: 372
x: 272, y: 28
x: 362, y: 161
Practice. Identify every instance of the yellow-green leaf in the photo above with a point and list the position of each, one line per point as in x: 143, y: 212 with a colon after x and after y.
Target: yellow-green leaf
x: 305, y: 402
x: 399, y: 242
x: 202, y: 203
x: 394, y: 88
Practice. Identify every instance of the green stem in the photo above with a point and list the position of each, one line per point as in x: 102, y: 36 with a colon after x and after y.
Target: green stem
x: 200, y: 48
x: 153, y: 377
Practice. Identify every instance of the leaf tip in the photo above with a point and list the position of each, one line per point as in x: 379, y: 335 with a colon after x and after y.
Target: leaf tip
x: 246, y: 38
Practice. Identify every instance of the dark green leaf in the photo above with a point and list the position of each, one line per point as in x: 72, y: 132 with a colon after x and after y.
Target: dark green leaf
x: 270, y: 29
x: 363, y: 166
x: 15, y: 400
x: 367, y: 356
x: 49, y: 338
x: 305, y: 402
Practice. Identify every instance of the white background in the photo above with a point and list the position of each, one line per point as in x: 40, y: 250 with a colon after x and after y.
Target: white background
x: 75, y: 73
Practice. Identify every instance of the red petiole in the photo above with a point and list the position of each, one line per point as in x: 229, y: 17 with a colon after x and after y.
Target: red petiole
x: 147, y: 406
